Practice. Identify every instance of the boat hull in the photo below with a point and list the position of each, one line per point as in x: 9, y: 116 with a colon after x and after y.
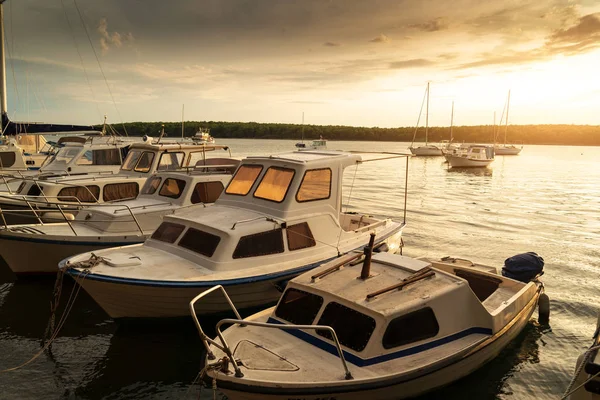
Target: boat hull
x: 38, y: 256
x: 391, y: 387
x: 463, y: 162
x: 426, y: 151
x: 507, y: 151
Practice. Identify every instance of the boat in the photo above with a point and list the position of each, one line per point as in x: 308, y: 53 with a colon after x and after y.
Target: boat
x: 280, y: 215
x: 395, y: 327
x: 115, y: 224
x: 51, y: 197
x: 427, y: 149
x: 448, y: 146
x: 318, y: 144
x: 471, y: 156
x: 585, y: 384
x: 203, y: 136
x: 507, y: 149
x: 23, y: 152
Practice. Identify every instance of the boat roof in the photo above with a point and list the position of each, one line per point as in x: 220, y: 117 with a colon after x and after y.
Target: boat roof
x: 311, y: 157
x: 386, y: 270
x: 178, y: 146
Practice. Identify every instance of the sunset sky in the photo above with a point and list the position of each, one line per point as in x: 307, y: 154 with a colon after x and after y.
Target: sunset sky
x: 342, y: 62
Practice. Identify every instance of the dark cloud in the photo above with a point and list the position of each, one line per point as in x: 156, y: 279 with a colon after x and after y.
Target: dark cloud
x: 586, y: 32
x: 413, y: 63
x: 434, y: 25
x: 381, y: 38
x: 331, y: 44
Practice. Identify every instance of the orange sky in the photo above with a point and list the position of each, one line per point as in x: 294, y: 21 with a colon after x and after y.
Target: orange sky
x: 347, y: 62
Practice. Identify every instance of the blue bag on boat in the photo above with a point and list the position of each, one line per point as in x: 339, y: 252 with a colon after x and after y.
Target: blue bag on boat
x: 523, y: 267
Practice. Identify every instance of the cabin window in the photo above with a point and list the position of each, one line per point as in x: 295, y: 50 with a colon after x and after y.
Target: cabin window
x: 65, y: 155
x: 206, y: 192
x: 145, y: 162
x: 275, y: 184
x: 244, y: 178
x: 100, y: 157
x: 200, y: 242
x: 21, y: 186
x: 196, y: 157
x: 410, y: 328
x: 315, y: 185
x: 259, y: 244
x: 352, y: 328
x: 120, y: 191
x: 170, y: 161
x: 172, y: 188
x: 7, y: 159
x: 299, y: 236
x: 298, y: 307
x: 35, y: 190
x: 151, y: 185
x: 168, y: 232
x: 85, y: 194
x: 476, y: 151
x: 131, y: 160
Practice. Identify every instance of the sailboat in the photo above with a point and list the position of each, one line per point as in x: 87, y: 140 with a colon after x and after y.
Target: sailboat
x: 428, y: 149
x: 504, y: 149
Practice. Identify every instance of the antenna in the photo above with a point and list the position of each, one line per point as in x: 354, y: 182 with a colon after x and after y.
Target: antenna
x: 162, y: 133
x: 182, y: 120
x: 302, y: 126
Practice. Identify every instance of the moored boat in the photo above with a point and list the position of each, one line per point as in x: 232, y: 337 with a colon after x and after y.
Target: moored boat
x: 278, y: 217
x: 427, y: 149
x: 470, y: 156
x: 395, y: 328
x: 110, y: 225
x: 585, y: 384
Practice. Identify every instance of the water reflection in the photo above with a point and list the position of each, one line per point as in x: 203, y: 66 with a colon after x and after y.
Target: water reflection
x: 482, y: 171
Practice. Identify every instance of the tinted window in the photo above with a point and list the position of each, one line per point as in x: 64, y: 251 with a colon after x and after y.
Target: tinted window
x: 151, y: 185
x: 352, y: 328
x: 200, y: 242
x: 120, y: 191
x: 145, y: 162
x: 170, y: 161
x: 316, y: 185
x: 244, y: 178
x: 206, y: 192
x: 275, y: 184
x: 409, y: 328
x: 298, y: 307
x: 168, y: 232
x: 131, y: 160
x: 21, y: 186
x: 100, y: 157
x: 35, y: 190
x: 85, y: 194
x: 299, y: 236
x: 172, y: 188
x: 260, y: 244
x: 7, y: 159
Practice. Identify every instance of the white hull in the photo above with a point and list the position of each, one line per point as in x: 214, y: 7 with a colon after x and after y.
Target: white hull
x: 507, y: 151
x: 438, y: 377
x: 38, y: 256
x: 426, y: 151
x: 463, y: 162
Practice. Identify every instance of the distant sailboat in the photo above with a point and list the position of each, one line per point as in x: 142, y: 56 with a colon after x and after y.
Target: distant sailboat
x: 504, y: 149
x: 428, y: 149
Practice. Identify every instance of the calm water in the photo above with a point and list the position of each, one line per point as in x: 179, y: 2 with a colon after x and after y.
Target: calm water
x: 546, y: 200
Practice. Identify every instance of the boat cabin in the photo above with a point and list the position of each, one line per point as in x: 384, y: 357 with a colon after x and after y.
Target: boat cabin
x: 405, y: 306
x: 281, y: 208
x: 16, y: 155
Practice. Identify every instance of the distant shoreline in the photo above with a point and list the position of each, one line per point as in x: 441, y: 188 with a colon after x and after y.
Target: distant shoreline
x: 573, y: 135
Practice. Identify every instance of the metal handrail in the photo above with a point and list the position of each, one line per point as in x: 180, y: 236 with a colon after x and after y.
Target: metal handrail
x: 227, y: 350
x: 265, y: 217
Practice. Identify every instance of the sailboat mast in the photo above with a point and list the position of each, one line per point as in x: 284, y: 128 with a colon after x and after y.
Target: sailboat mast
x: 494, y: 129
x: 182, y: 119
x: 506, y: 126
x: 302, y: 127
x: 3, y: 100
x: 451, y: 122
x: 427, y: 116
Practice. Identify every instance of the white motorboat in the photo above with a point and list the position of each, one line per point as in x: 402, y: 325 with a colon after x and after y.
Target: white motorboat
x: 585, y: 384
x: 318, y: 144
x: 427, y: 149
x: 278, y: 217
x: 38, y: 199
x: 116, y: 224
x: 395, y: 329
x: 23, y: 152
x: 473, y: 155
x: 203, y: 136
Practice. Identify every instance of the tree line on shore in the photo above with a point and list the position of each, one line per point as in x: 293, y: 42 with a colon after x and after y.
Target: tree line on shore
x: 582, y: 135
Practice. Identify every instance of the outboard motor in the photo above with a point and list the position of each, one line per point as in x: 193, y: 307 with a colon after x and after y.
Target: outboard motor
x: 523, y: 267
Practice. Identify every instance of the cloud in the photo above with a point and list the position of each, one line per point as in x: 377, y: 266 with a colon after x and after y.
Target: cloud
x: 380, y: 39
x: 413, y: 63
x: 114, y: 39
x: 585, y: 32
x: 332, y: 44
x: 434, y: 25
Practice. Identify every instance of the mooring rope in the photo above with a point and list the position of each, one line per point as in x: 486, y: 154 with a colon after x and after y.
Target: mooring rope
x: 584, y: 361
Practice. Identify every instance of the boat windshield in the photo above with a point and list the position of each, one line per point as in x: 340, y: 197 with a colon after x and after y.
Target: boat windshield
x: 299, y: 307
x: 275, y: 184
x: 66, y: 155
x: 244, y: 179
